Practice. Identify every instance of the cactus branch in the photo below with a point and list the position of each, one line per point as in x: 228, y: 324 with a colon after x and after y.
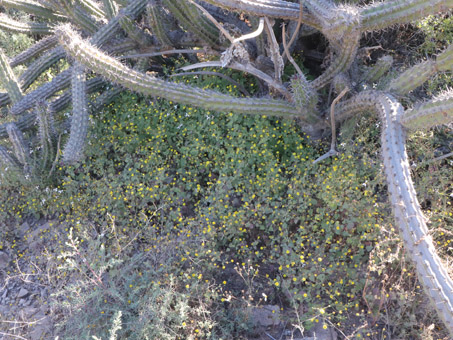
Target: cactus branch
x: 8, y: 79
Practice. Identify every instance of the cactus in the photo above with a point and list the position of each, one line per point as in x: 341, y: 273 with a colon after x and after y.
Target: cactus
x: 381, y: 67
x: 113, y: 70
x: 435, y: 112
x: 31, y: 28
x: 20, y: 148
x: 110, y: 8
x: 156, y: 21
x: 418, y: 74
x: 31, y: 52
x: 341, y: 25
x: 79, y: 123
x: 190, y: 18
x: 31, y: 7
x: 8, y: 79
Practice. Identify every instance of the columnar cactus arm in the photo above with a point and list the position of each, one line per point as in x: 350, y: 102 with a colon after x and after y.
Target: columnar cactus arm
x: 156, y: 20
x: 419, y: 73
x: 73, y: 150
x: 375, y: 72
x: 342, y: 62
x: 191, y: 19
x: 407, y: 211
x: 21, y: 149
x: 92, y: 8
x: 116, y: 72
x: 434, y: 112
x: 46, y: 134
x: 34, y: 50
x: 77, y: 15
x: 60, y: 82
x: 34, y: 8
x: 31, y: 28
x: 269, y: 8
x: 133, y: 31
x: 110, y: 8
x: 37, y: 67
x: 8, y: 79
x: 7, y: 160
x: 383, y: 14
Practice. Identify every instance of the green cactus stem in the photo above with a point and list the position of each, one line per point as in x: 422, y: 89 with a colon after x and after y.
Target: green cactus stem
x: 8, y: 161
x: 382, y: 66
x: 110, y: 8
x: 37, y: 67
x: 34, y: 8
x: 4, y: 99
x: 191, y: 19
x: 26, y: 122
x: 116, y: 72
x: 407, y: 211
x: 34, y: 50
x: 269, y: 8
x: 46, y: 134
x: 395, y: 12
x: 133, y: 31
x: 31, y: 28
x: 305, y: 97
x: 59, y: 82
x: 412, y: 78
x: 92, y: 8
x: 418, y: 241
x: 73, y: 150
x: 437, y: 111
x: 21, y: 149
x: 156, y: 20
x: 78, y: 15
x: 8, y: 79
x: 342, y: 62
x: 419, y: 73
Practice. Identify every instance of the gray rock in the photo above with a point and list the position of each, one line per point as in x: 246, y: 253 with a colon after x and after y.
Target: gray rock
x: 266, y: 316
x: 4, y: 294
x: 22, y: 293
x: 4, y: 260
x: 319, y: 333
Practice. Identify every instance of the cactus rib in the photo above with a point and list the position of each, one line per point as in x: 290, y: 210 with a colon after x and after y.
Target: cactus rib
x: 20, y: 148
x: 155, y: 20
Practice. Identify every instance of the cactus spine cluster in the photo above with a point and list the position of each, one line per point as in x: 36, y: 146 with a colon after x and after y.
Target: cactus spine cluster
x: 112, y: 28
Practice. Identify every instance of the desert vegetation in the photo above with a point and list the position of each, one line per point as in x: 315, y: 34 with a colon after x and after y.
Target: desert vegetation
x: 219, y: 169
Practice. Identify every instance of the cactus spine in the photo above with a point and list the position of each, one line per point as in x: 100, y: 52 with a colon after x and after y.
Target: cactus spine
x: 8, y: 79
x: 46, y: 134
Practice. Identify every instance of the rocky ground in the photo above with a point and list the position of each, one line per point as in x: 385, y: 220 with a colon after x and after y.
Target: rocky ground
x: 29, y: 280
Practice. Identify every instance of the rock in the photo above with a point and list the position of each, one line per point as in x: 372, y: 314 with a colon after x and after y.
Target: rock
x: 319, y: 333
x: 22, y: 293
x: 43, y: 329
x: 4, y: 260
x: 266, y: 316
x: 4, y: 294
